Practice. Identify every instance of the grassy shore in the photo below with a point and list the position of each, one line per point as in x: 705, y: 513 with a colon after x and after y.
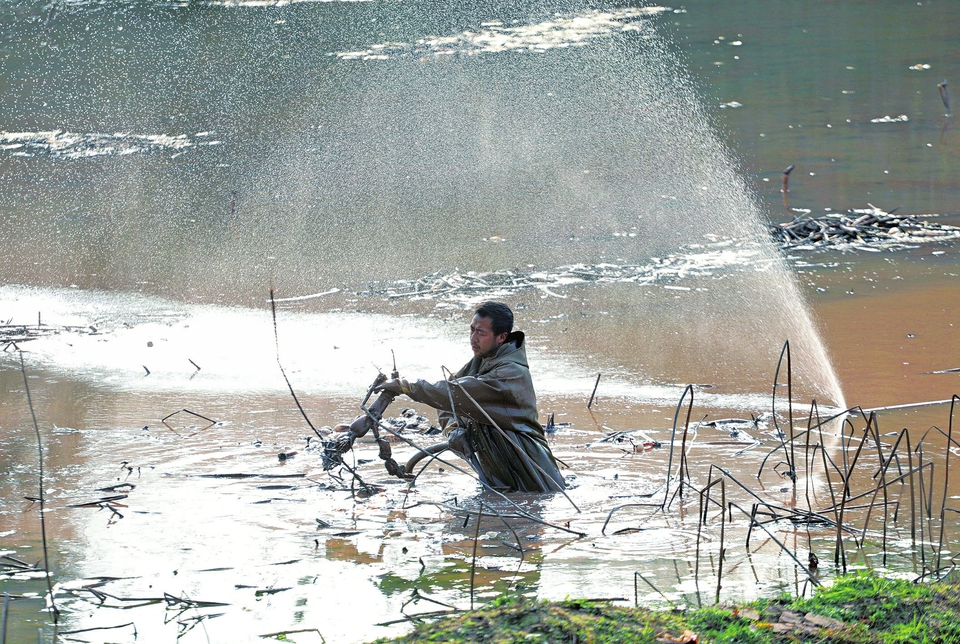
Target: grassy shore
x: 857, y: 609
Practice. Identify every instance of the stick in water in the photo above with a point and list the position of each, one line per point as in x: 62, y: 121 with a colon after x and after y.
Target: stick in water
x: 43, y: 525
x: 276, y: 340
x: 595, y: 385
x: 784, y: 185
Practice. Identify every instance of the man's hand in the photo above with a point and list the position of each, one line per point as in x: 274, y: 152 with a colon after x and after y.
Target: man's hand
x: 394, y: 384
x: 459, y: 441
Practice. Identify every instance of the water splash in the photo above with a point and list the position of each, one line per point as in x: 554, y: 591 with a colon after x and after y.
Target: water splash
x: 550, y: 139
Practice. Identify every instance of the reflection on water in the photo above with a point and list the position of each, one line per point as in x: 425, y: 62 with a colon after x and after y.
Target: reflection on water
x: 217, y: 517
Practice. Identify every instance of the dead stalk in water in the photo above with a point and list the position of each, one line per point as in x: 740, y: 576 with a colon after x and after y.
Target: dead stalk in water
x: 696, y: 558
x: 839, y: 552
x: 594, y: 393
x: 946, y: 480
x: 789, y: 455
x: 784, y: 186
x: 43, y: 523
x: 473, y: 562
x: 3, y: 621
x: 814, y: 413
x: 882, y: 484
x: 636, y: 590
x: 276, y: 340
x: 810, y: 575
x: 704, y: 505
x: 723, y: 525
x: 673, y: 438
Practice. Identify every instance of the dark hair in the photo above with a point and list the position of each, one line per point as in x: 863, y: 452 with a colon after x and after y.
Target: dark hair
x: 500, y: 315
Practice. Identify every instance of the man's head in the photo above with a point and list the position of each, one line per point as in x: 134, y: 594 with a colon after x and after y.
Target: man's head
x: 492, y: 323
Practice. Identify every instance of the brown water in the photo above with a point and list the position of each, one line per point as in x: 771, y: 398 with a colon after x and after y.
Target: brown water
x: 256, y: 544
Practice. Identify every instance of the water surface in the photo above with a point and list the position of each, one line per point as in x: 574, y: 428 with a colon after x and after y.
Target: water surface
x: 163, y: 165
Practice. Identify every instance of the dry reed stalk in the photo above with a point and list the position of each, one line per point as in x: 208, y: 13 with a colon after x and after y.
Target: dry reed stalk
x: 594, y: 393
x: 814, y: 412
x: 900, y: 478
x: 696, y: 566
x: 43, y: 523
x: 276, y: 340
x: 3, y: 621
x: 883, y: 484
x: 673, y: 437
x: 913, y: 498
x: 658, y: 506
x: 839, y: 553
x: 683, y: 469
x: 926, y: 500
x: 723, y: 525
x: 789, y: 455
x: 753, y: 520
x: 704, y: 504
x: 636, y: 590
x: 414, y: 596
x: 784, y: 186
x: 946, y: 479
x: 810, y: 575
x: 473, y: 562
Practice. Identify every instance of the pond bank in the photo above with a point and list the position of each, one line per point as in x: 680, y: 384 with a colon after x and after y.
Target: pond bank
x: 860, y: 608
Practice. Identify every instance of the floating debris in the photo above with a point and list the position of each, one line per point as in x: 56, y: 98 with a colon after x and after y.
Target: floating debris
x: 891, y: 119
x: 860, y: 228
x: 702, y: 260
x: 574, y: 30
x: 26, y: 332
x: 410, y: 422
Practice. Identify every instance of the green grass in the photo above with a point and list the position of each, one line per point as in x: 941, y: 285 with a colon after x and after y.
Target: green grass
x: 874, y: 610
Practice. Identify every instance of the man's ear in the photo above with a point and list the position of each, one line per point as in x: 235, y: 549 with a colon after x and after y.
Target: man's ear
x: 502, y: 338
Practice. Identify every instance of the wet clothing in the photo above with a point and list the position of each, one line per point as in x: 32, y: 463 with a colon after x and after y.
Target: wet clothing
x: 502, y: 387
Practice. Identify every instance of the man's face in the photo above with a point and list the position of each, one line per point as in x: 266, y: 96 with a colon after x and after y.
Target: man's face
x: 482, y: 340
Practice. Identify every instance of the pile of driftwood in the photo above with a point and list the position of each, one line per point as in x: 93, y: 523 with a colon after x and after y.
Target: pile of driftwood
x: 872, y: 227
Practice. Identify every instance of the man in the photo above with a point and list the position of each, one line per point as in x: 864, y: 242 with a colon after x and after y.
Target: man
x: 493, y: 423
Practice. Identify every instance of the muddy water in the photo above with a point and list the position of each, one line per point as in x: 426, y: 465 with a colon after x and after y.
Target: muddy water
x: 286, y: 547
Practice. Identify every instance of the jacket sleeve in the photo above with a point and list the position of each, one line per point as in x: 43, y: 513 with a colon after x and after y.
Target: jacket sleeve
x: 505, y: 394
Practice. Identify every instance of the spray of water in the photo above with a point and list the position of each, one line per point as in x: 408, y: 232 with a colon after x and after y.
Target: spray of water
x: 390, y: 142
